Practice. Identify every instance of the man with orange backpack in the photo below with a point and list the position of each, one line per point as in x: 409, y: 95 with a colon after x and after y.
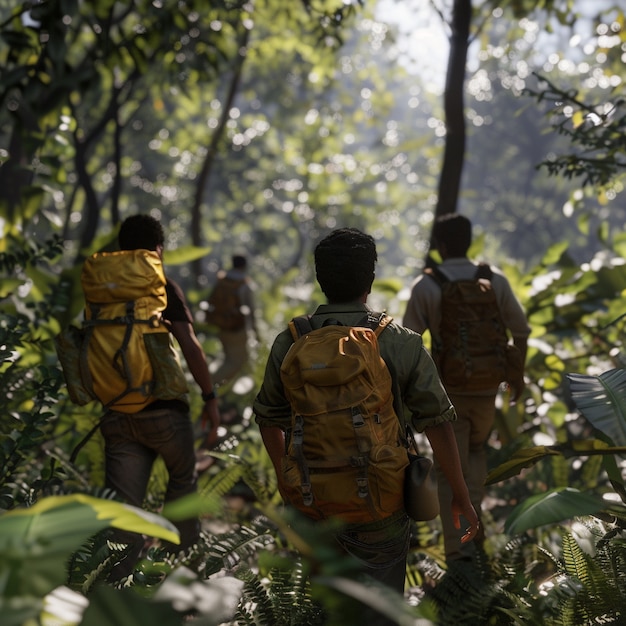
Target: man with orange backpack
x: 345, y: 459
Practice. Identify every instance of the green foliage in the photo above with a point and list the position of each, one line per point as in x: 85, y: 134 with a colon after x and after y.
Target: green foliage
x: 595, y: 131
x: 36, y: 542
x: 556, y: 505
x: 278, y: 596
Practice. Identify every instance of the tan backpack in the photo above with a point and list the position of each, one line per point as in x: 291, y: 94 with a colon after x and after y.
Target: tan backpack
x: 225, y: 304
x: 346, y: 455
x: 474, y: 352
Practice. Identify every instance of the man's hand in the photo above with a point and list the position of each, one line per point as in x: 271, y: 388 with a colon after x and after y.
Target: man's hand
x: 210, y: 422
x: 516, y: 389
x: 469, y: 513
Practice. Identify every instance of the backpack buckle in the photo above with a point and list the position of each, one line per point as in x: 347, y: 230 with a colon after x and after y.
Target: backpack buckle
x: 357, y: 418
x: 358, y: 461
x: 307, y: 496
x: 298, y: 430
x: 362, y: 485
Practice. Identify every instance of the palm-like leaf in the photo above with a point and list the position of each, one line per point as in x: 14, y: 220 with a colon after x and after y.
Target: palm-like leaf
x: 602, y: 400
x: 556, y: 505
x: 35, y: 543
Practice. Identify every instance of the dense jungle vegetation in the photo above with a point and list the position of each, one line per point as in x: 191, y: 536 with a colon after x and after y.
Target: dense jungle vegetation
x: 258, y: 126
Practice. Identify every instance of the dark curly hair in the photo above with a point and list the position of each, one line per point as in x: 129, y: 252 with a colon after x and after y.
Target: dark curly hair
x: 140, y: 232
x: 345, y: 262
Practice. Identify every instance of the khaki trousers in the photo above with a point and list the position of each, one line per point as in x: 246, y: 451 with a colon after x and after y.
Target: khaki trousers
x: 235, y: 355
x: 475, y: 419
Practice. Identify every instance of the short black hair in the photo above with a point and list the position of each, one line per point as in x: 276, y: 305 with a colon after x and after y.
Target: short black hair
x: 454, y: 231
x: 141, y: 232
x: 239, y: 262
x: 345, y: 263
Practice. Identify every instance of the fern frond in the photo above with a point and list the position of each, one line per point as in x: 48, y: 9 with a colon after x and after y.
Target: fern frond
x: 221, y: 483
x: 227, y: 550
x: 256, y: 598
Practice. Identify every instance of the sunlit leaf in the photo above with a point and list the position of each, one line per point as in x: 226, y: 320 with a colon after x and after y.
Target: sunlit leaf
x: 578, y: 118
x: 9, y: 285
x: 521, y: 459
x: 193, y: 505
x: 59, y: 509
x: 602, y: 400
x: 36, y: 542
x: 185, y: 255
x: 552, y: 507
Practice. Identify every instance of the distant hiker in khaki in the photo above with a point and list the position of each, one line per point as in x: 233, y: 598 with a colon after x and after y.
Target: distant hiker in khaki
x: 231, y: 309
x: 479, y: 333
x: 132, y: 368
x: 332, y: 416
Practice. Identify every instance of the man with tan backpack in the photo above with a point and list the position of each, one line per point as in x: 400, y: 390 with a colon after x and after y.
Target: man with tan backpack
x: 231, y: 310
x: 338, y: 388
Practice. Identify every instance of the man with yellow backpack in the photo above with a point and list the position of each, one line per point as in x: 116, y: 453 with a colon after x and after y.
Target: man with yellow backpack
x: 126, y: 360
x: 332, y: 415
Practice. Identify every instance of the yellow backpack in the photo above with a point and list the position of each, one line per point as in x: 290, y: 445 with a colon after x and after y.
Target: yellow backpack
x: 346, y: 457
x: 123, y: 355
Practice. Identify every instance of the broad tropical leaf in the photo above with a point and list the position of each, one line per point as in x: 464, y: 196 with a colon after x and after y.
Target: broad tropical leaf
x: 109, y: 607
x: 602, y: 400
x: 552, y: 507
x: 36, y: 543
x: 520, y: 460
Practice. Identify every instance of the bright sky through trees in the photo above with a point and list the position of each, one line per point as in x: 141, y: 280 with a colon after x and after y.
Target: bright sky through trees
x: 422, y: 45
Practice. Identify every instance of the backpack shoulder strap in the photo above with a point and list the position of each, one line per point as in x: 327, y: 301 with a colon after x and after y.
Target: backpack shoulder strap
x: 437, y: 275
x: 484, y: 271
x: 377, y: 321
x: 299, y: 326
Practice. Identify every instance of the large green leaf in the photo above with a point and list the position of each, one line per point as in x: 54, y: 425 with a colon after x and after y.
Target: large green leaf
x: 602, y: 400
x: 35, y: 543
x: 185, y: 254
x: 552, y: 507
x: 109, y: 607
x: 527, y: 457
x: 519, y: 460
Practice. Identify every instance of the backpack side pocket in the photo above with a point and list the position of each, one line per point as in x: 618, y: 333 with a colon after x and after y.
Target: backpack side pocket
x: 169, y: 379
x: 70, y: 346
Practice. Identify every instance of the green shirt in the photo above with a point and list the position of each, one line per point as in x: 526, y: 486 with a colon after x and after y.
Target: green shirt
x: 417, y: 389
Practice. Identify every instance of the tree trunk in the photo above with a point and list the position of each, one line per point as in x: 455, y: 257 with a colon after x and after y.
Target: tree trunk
x: 454, y: 151
x: 207, y: 165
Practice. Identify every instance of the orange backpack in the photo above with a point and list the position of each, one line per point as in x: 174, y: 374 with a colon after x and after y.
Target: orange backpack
x: 346, y: 456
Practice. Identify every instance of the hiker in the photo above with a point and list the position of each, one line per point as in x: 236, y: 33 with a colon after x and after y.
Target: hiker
x: 133, y: 441
x: 474, y: 402
x: 345, y: 264
x: 231, y: 310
